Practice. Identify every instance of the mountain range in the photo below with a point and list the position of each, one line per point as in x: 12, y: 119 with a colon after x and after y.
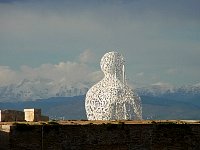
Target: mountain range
x: 64, y: 100
x: 30, y: 90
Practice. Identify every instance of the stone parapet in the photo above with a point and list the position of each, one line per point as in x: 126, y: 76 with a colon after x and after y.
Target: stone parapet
x: 11, y: 115
x: 108, y: 136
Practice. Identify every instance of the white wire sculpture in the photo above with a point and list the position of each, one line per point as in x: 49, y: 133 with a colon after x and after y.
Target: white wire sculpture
x: 111, y: 98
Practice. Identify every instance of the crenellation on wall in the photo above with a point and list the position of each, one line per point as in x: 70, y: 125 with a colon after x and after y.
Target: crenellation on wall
x: 28, y: 115
x: 11, y: 115
x: 32, y: 114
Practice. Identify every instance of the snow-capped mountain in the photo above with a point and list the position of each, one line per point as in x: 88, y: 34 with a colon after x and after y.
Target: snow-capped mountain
x: 40, y: 89
x: 29, y: 90
x: 160, y: 91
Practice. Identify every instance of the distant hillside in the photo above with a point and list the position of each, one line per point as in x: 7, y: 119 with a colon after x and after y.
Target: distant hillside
x: 164, y: 108
x: 74, y: 107
x: 55, y: 107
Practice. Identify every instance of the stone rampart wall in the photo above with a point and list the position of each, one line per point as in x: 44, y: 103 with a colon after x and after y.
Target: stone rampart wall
x: 105, y: 137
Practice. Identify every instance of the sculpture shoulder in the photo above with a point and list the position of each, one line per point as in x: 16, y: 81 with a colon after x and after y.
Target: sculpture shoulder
x: 95, y: 89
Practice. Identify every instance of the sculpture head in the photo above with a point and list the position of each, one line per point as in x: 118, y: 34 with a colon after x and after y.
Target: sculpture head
x: 112, y: 63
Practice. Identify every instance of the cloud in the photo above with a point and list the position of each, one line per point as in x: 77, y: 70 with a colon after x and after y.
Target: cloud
x: 96, y: 76
x: 163, y: 85
x: 7, y: 75
x: 197, y: 84
x: 87, y: 56
x: 140, y: 74
x: 70, y: 72
x: 153, y: 35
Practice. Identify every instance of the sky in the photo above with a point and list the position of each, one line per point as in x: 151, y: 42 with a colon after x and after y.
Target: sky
x: 65, y: 39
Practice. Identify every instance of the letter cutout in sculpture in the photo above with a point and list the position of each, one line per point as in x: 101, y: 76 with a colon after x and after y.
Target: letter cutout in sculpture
x: 111, y: 98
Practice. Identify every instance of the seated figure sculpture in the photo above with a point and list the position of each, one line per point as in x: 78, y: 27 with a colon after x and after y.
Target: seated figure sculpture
x: 111, y: 98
